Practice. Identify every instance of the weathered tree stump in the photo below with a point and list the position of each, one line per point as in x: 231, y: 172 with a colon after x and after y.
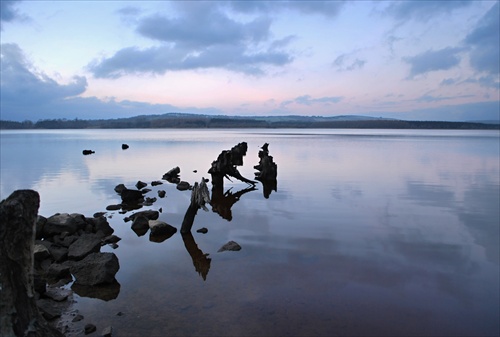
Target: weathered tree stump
x: 268, y: 171
x: 225, y: 165
x: 199, y: 197
x: 18, y: 309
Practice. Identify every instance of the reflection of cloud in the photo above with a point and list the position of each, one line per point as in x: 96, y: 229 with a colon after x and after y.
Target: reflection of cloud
x: 430, y: 195
x: 481, y: 215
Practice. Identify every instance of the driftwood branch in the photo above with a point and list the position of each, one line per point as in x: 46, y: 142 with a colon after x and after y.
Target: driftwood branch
x: 18, y: 309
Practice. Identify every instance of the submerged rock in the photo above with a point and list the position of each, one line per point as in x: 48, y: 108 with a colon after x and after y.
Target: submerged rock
x: 231, y: 245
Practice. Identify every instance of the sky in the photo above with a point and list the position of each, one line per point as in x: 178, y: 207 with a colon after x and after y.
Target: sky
x: 413, y: 60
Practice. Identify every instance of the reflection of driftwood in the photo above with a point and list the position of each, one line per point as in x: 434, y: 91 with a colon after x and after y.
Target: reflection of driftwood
x: 222, y: 202
x: 199, y: 197
x: 268, y: 171
x: 201, y: 261
x: 19, y: 315
x: 225, y: 165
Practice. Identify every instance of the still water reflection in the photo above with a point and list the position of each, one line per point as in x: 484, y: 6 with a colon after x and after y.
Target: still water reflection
x: 370, y: 232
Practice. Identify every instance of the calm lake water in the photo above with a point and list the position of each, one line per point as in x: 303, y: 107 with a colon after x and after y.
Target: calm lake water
x: 370, y: 232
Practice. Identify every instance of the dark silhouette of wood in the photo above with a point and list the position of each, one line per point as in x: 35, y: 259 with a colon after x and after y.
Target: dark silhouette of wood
x: 18, y: 309
x: 225, y: 165
x: 267, y: 171
x: 199, y: 197
x: 201, y: 261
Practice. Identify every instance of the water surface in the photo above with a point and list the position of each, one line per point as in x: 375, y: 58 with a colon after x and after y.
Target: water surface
x: 370, y: 232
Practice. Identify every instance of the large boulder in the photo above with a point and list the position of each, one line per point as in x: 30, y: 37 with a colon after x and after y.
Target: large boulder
x: 96, y: 268
x: 59, y: 223
x: 84, y: 245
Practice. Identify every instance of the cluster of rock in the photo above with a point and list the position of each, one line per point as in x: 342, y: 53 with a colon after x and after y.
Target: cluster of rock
x: 145, y: 221
x: 68, y: 246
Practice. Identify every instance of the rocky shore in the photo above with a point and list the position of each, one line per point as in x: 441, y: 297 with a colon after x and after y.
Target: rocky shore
x: 44, y: 261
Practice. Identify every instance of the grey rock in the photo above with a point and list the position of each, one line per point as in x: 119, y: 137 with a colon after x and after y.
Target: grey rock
x: 160, y: 231
x: 156, y: 183
x: 140, y: 184
x: 84, y: 245
x: 231, y: 246
x: 65, y: 222
x: 202, y: 230
x: 40, y: 252
x: 113, y: 207
x: 183, y: 186
x: 89, y: 328
x: 148, y: 214
x: 40, y: 223
x: 57, y: 294
x: 96, y: 268
x: 58, y: 271
x: 120, y: 188
x: 140, y: 225
x: 162, y: 193
x: 131, y: 196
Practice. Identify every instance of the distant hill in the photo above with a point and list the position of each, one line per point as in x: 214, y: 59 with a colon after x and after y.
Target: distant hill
x: 184, y: 120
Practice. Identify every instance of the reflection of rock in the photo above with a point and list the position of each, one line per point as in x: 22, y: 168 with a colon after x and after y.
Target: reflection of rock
x: 231, y: 245
x: 201, y: 261
x: 202, y: 230
x: 96, y: 268
x: 105, y: 292
x: 160, y: 231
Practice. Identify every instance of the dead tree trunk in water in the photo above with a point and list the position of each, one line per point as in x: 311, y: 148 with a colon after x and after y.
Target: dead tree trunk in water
x: 199, y: 197
x: 225, y: 165
x: 18, y: 310
x: 268, y: 171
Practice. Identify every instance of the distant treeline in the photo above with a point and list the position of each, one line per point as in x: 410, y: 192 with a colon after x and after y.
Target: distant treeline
x: 203, y: 121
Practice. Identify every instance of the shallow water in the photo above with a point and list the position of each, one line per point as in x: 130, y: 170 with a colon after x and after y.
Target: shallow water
x: 370, y: 232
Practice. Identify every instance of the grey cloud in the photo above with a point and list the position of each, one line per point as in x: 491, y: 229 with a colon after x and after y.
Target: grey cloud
x: 424, y: 10
x: 433, y: 60
x: 202, y: 36
x: 485, y: 41
x: 7, y: 11
x: 30, y: 95
x: 326, y: 8
x: 345, y: 62
x: 204, y: 30
x: 159, y: 60
x: 22, y: 87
